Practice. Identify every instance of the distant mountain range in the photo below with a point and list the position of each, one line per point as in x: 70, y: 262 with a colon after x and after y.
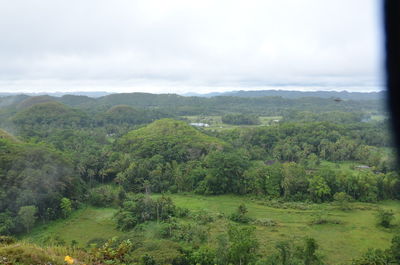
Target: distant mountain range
x: 92, y: 94
x: 345, y: 95
x: 295, y: 94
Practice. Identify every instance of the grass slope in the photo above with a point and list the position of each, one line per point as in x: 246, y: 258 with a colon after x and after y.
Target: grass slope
x: 84, y: 225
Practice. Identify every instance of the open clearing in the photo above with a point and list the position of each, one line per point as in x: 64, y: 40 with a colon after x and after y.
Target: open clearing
x: 216, y: 123
x: 85, y: 224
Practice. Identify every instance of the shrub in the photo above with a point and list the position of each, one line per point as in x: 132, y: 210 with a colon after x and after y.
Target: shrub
x: 322, y: 221
x: 163, y: 252
x: 385, y: 217
x: 373, y: 256
x: 112, y: 252
x: 66, y: 207
x: 147, y: 260
x: 204, y: 255
x: 342, y: 199
x: 7, y: 223
x: 7, y: 240
x: 203, y: 217
x: 182, y: 212
x: 395, y: 248
x: 243, y: 245
x: 240, y: 216
x: 96, y: 242
x: 191, y: 233
x: 103, y: 196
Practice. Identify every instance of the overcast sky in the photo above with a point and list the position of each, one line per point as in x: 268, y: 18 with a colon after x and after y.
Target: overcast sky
x: 178, y: 46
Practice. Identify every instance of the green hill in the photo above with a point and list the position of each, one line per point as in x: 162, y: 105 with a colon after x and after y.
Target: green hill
x: 75, y: 100
x: 142, y: 99
x: 172, y: 139
x: 124, y: 114
x: 39, y: 118
x: 30, y: 101
x: 32, y: 174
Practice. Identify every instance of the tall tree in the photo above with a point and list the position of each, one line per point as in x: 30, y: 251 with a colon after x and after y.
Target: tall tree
x: 27, y: 216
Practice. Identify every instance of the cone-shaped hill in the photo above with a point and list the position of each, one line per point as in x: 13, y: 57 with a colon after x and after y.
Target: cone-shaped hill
x: 125, y: 114
x: 30, y: 101
x: 50, y: 114
x: 172, y: 139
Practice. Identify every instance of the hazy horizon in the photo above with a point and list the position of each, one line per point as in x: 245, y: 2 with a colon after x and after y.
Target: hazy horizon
x: 99, y: 93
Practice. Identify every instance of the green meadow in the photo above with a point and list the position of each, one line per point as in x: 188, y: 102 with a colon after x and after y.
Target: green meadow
x: 83, y: 225
x: 346, y: 235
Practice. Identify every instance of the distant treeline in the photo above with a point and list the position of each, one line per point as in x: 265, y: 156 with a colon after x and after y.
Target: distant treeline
x: 173, y: 104
x: 299, y: 94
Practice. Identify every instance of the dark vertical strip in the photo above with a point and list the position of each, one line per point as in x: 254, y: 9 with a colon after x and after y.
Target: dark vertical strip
x: 392, y: 45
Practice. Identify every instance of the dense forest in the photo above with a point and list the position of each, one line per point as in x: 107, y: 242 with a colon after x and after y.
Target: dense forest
x: 137, y: 154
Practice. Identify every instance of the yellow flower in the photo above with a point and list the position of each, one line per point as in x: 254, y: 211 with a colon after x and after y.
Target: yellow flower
x: 69, y: 260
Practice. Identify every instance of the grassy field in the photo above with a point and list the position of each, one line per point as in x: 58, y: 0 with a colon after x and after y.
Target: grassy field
x: 339, y: 243
x: 216, y: 123
x: 85, y: 224
x: 345, y: 165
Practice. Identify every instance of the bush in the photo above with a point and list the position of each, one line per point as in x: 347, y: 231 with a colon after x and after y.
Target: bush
x: 240, y: 216
x: 342, y: 199
x: 373, y: 256
x: 203, y: 255
x: 321, y: 218
x: 395, y: 248
x: 147, y: 260
x: 162, y: 251
x: 191, y: 233
x: 104, y: 196
x: 182, y: 212
x: 385, y: 217
x: 7, y: 240
x: 323, y: 221
x: 203, y: 217
x: 112, y: 252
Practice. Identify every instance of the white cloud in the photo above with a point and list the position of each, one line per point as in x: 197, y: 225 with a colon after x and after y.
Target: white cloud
x: 185, y: 45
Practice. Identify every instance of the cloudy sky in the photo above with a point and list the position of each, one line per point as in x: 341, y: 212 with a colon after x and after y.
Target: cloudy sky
x: 189, y: 45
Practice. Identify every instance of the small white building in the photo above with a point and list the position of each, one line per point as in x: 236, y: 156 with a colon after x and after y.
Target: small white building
x: 199, y: 124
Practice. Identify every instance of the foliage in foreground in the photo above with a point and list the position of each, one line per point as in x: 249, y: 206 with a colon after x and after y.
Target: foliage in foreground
x: 238, y: 247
